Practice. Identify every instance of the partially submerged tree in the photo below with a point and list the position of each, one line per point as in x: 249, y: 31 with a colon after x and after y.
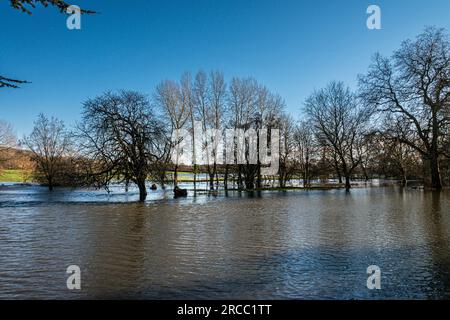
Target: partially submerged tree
x: 176, y: 108
x: 49, y: 144
x: 305, y: 149
x: 413, y: 87
x: 340, y: 123
x: 122, y: 137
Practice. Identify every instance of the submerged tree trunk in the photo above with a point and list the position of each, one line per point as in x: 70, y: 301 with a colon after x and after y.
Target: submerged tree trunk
x: 347, y: 182
x: 339, y: 176
x: 195, y: 178
x: 436, y: 182
x: 211, y: 181
x: 142, y: 190
x: 225, y: 178
x: 175, y: 176
x: 50, y: 182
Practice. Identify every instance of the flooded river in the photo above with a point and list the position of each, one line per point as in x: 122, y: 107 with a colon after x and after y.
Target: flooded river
x: 267, y: 245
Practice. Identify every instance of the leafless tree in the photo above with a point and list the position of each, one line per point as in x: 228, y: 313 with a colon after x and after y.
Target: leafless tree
x: 305, y: 150
x: 414, y: 87
x: 8, y: 140
x: 176, y: 107
x: 122, y: 137
x: 217, y: 97
x: 241, y: 109
x: 49, y: 144
x: 340, y: 123
x: 288, y: 162
x: 7, y: 137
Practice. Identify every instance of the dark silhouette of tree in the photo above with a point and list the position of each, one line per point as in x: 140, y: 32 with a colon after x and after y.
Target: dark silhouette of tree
x: 122, y: 138
x: 413, y: 88
x: 340, y: 123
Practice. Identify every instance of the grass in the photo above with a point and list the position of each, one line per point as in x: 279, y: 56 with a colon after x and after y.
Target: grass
x: 11, y: 175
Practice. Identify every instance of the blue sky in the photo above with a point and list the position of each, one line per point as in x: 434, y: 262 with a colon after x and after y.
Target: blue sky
x: 292, y: 47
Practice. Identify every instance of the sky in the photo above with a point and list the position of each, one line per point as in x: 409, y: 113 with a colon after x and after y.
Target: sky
x: 292, y: 47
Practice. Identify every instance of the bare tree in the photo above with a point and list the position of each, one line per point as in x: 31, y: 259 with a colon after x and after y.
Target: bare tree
x: 340, y: 123
x: 241, y: 108
x: 7, y: 137
x: 288, y: 162
x: 217, y: 98
x: 122, y: 137
x: 7, y: 140
x: 49, y: 144
x: 305, y: 149
x: 414, y: 87
x: 176, y: 108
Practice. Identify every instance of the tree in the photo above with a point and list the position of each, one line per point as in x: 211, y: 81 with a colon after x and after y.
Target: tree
x: 413, y: 86
x: 7, y: 140
x: 339, y: 122
x: 176, y: 107
x: 49, y: 144
x: 287, y: 147
x: 217, y: 96
x: 122, y: 137
x: 7, y: 137
x: 304, y: 149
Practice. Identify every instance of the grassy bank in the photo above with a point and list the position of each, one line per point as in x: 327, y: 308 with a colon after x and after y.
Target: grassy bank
x: 13, y: 175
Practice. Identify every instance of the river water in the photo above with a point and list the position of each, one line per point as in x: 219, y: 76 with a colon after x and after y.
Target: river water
x: 266, y: 245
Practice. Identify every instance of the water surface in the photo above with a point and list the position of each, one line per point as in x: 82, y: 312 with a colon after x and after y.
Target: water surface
x: 267, y: 245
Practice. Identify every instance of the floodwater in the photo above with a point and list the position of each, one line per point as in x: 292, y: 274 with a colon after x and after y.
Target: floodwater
x: 266, y: 245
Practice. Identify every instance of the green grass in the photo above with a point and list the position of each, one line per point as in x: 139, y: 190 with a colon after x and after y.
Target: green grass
x: 11, y: 176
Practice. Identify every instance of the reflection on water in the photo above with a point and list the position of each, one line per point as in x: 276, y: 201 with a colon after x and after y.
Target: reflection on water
x: 314, y: 244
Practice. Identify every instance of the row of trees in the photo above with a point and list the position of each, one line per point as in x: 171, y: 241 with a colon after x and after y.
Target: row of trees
x: 395, y: 125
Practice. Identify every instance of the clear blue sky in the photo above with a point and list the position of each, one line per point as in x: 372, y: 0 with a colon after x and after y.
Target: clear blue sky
x: 292, y: 47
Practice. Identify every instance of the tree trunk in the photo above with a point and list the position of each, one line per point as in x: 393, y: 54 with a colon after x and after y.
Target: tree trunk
x: 195, y: 178
x: 225, y: 179
x: 50, y: 183
x: 435, y: 174
x: 142, y: 190
x: 211, y: 181
x: 436, y: 183
x: 347, y: 182
x: 175, y: 176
